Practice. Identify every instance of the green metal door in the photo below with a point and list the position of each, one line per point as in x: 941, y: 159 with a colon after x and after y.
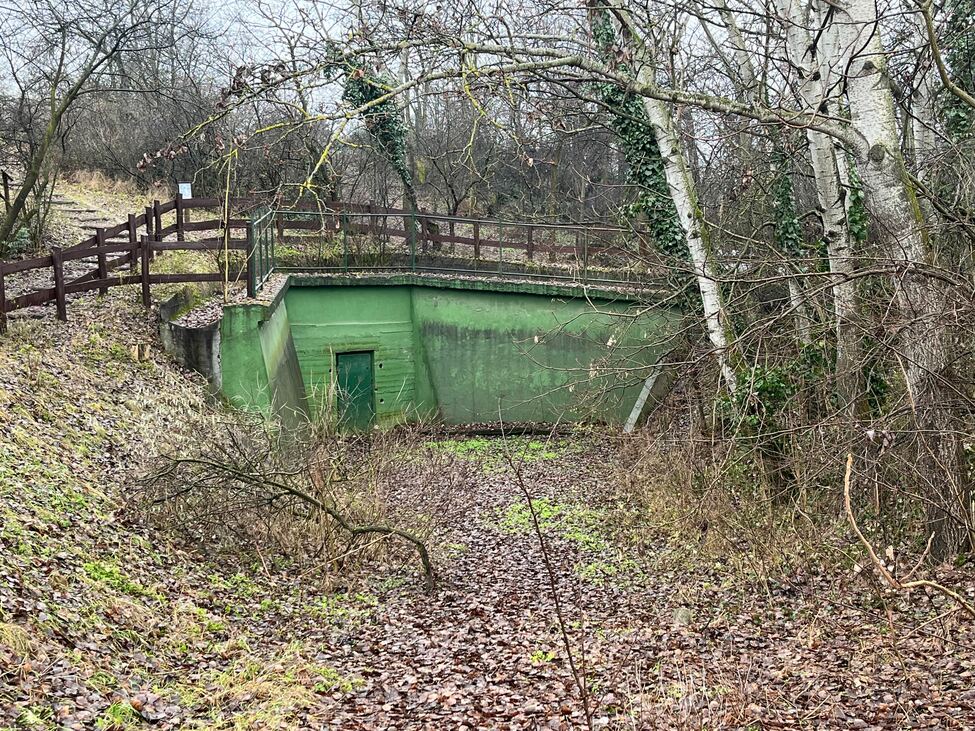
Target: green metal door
x: 355, y: 389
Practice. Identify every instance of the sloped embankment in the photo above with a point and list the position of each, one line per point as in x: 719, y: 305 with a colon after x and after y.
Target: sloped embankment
x: 103, y: 622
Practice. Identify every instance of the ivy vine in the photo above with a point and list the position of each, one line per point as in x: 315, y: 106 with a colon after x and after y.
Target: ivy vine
x: 788, y: 231
x: 638, y: 142
x: 856, y: 214
x: 959, y: 56
x: 383, y: 120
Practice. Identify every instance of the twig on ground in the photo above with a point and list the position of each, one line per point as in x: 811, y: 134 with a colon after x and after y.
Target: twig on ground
x: 884, y: 572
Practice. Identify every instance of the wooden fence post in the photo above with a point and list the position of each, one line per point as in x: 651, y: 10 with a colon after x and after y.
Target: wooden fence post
x: 180, y: 231
x: 59, y: 295
x: 423, y: 232
x: 133, y: 239
x: 146, y: 255
x: 531, y: 243
x: 149, y: 221
x: 102, y: 266
x: 3, y: 304
x: 157, y: 220
x: 585, y: 257
x: 477, y: 240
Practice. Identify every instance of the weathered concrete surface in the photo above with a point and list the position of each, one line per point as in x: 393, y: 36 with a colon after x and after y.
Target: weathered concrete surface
x: 460, y: 350
x: 196, y: 348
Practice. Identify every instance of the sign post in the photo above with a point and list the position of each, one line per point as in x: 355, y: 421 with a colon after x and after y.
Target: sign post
x: 185, y: 191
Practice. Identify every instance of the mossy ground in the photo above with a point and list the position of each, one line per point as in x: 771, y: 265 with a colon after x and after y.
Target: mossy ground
x: 100, y: 615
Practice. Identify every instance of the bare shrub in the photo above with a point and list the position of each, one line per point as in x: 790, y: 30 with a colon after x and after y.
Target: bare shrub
x: 711, y: 498
x: 312, y: 497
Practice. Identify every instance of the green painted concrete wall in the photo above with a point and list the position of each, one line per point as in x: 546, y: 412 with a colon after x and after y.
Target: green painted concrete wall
x: 329, y: 320
x: 527, y: 357
x: 258, y: 361
x: 461, y: 352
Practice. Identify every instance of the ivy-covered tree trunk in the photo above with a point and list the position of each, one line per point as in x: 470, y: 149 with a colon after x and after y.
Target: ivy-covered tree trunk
x: 662, y: 134
x: 384, y: 121
x: 789, y: 238
x: 922, y: 301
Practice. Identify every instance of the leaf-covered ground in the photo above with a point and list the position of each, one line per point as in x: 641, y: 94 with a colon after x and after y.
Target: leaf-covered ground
x: 106, y: 624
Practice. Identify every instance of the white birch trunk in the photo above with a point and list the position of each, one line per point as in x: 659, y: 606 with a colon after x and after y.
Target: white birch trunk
x: 684, y: 193
x: 816, y: 80
x: 683, y: 190
x: 797, y: 300
x: 923, y: 99
x: 922, y: 300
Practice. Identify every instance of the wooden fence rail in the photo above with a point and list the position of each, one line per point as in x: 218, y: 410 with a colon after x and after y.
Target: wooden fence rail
x: 144, y: 235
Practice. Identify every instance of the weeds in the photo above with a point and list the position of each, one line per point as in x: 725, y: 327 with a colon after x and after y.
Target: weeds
x: 578, y: 524
x: 490, y: 456
x: 113, y: 576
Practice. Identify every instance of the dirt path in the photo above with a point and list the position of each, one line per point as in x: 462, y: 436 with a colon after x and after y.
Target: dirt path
x: 681, y: 649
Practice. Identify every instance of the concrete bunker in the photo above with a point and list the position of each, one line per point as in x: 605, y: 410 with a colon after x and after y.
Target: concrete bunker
x: 389, y: 349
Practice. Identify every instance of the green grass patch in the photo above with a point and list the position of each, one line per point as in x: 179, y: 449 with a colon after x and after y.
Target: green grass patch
x: 119, y: 716
x: 493, y: 453
x: 343, y: 608
x: 575, y: 523
x: 111, y: 575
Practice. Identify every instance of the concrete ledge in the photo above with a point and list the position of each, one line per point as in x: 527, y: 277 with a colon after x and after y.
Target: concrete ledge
x: 194, y: 348
x: 476, y: 283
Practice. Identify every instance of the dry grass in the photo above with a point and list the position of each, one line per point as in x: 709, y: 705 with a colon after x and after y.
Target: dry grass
x: 719, y: 510
x: 255, y: 491
x: 96, y: 183
x: 16, y: 638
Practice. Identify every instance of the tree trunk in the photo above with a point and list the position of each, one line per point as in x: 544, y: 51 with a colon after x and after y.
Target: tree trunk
x: 922, y: 300
x: 696, y: 234
x: 815, y: 81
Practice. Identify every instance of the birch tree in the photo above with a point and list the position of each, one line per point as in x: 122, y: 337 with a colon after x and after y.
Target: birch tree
x: 683, y: 191
x: 922, y: 299
x: 816, y: 80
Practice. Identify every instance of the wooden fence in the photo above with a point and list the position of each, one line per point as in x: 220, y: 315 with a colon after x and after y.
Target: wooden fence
x: 134, y: 243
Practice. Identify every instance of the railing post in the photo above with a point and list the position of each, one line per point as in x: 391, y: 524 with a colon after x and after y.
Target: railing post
x: 133, y: 239
x: 59, y: 296
x: 477, y: 242
x: 344, y: 235
x: 157, y: 219
x: 251, y: 263
x: 180, y: 231
x: 149, y: 220
x: 531, y: 243
x: 500, y: 247
x: 3, y: 303
x: 146, y: 255
x: 412, y: 235
x: 585, y: 257
x: 102, y: 265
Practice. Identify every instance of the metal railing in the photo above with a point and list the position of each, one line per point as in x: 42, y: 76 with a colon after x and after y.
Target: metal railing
x: 356, y: 238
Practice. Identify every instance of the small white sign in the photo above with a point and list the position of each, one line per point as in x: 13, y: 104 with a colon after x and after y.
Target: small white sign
x: 185, y: 190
